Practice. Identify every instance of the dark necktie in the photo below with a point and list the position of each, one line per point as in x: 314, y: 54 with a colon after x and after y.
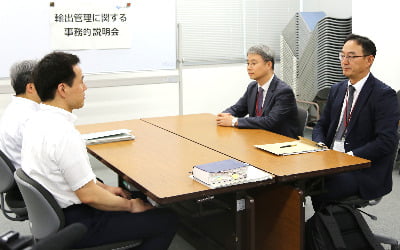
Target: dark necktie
x: 346, y: 114
x: 259, y: 101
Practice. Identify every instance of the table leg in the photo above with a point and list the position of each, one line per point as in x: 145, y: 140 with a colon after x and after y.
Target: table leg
x: 279, y: 217
x: 245, y: 222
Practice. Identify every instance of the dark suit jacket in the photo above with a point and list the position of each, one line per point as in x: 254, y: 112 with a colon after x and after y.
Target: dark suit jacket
x: 372, y: 132
x: 279, y: 110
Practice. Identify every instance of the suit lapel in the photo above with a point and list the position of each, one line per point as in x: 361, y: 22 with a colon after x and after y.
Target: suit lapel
x: 336, y: 109
x: 361, y: 101
x: 270, y: 93
x: 253, y: 98
x: 339, y: 99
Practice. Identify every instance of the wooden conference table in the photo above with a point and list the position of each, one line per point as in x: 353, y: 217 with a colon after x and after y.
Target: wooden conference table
x: 159, y: 160
x: 239, y: 144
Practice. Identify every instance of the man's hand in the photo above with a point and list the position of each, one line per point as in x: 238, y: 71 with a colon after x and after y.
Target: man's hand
x: 115, y: 190
x: 138, y: 206
x: 118, y: 191
x: 224, y: 119
x: 108, y: 198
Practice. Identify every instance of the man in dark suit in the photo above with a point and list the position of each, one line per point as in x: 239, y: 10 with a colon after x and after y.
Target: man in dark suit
x: 269, y: 102
x: 360, y: 118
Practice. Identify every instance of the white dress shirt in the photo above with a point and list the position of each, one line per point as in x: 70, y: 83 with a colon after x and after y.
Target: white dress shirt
x: 265, y: 87
x: 11, y: 127
x: 54, y: 154
x: 339, y: 145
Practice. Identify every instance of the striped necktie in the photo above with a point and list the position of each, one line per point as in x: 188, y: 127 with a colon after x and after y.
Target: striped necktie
x: 341, y: 133
x: 259, y: 101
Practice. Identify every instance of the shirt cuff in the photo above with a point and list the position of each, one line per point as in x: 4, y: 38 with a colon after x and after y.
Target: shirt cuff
x: 234, y: 120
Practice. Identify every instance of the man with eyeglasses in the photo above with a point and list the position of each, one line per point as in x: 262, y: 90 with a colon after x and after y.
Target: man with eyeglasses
x: 268, y: 101
x: 360, y: 118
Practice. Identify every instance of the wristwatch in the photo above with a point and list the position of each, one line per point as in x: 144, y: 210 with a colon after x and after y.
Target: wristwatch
x: 234, y: 120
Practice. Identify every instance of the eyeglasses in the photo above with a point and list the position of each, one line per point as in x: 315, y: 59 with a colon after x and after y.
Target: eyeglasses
x: 349, y: 58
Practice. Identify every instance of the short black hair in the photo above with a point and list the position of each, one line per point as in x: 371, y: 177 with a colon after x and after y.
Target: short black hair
x: 53, y: 69
x: 21, y: 75
x: 366, y: 43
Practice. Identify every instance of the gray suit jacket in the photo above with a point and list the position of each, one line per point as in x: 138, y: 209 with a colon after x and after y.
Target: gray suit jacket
x: 279, y: 109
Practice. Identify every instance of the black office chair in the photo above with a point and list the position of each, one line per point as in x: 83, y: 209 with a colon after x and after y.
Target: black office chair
x: 9, y: 192
x: 61, y: 240
x: 46, y: 216
x: 302, y: 116
x: 357, y: 203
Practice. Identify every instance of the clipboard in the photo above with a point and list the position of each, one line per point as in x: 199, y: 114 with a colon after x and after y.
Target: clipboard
x: 300, y: 146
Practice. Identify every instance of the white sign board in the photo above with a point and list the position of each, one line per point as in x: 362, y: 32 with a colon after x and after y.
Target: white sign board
x: 77, y: 28
x: 26, y: 33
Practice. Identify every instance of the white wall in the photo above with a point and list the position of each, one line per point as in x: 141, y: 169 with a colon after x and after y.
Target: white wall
x: 336, y: 8
x: 210, y: 89
x: 128, y: 102
x: 206, y: 89
x: 380, y: 21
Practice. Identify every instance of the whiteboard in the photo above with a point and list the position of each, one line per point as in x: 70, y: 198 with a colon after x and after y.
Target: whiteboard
x: 25, y: 34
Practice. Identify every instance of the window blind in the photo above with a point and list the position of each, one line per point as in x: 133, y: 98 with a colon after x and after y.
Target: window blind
x: 221, y: 31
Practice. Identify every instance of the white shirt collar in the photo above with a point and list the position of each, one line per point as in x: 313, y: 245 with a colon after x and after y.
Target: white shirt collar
x: 266, y: 85
x: 25, y: 100
x: 68, y: 115
x: 360, y: 84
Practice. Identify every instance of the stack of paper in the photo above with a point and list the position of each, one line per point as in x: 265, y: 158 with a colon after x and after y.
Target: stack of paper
x: 108, y: 136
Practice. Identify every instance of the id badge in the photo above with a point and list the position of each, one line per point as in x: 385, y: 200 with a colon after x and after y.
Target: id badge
x: 339, y: 146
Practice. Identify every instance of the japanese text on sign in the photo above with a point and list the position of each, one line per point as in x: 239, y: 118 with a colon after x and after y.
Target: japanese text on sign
x: 90, y: 29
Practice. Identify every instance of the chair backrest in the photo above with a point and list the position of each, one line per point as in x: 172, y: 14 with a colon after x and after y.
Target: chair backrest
x: 302, y: 116
x: 398, y: 98
x: 45, y: 215
x: 9, y: 193
x: 47, y: 218
x: 6, y: 173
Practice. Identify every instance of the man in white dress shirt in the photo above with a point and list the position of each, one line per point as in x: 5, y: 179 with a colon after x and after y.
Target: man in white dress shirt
x: 54, y: 154
x: 24, y: 104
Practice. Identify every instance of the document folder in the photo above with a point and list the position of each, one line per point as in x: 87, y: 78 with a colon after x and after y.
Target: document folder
x: 108, y: 136
x: 300, y: 146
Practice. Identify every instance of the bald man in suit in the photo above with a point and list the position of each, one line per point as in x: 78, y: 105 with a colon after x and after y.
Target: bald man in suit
x: 269, y: 102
